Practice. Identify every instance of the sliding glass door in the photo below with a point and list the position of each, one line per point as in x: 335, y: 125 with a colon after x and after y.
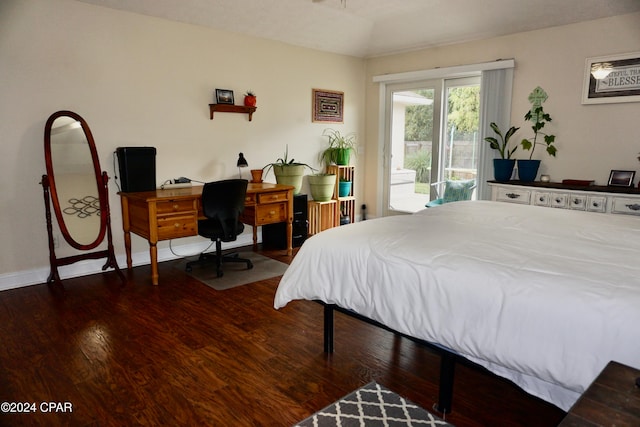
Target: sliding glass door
x: 431, y: 135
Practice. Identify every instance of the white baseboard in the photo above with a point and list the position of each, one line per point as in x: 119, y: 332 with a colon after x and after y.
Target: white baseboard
x: 40, y: 275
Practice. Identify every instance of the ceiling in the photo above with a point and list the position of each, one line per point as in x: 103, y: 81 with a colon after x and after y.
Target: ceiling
x: 366, y: 28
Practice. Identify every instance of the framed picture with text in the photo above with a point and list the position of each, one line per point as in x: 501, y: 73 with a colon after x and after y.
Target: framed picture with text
x: 610, y: 79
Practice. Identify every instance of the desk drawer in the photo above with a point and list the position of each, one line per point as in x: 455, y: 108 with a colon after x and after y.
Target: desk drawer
x: 271, y: 213
x: 181, y: 225
x: 170, y: 206
x: 250, y: 199
x: 273, y: 197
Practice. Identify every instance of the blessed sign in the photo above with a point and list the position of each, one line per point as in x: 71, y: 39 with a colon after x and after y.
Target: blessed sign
x: 612, y: 79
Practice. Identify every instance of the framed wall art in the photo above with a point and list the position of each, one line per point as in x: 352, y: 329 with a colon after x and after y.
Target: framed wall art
x: 621, y: 178
x: 614, y: 78
x: 224, y: 96
x: 328, y: 106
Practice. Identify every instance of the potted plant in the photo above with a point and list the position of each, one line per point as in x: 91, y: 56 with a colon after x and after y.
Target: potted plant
x: 250, y: 99
x: 528, y: 169
x: 340, y: 147
x: 322, y: 186
x: 502, y: 167
x: 344, y: 188
x: 288, y: 172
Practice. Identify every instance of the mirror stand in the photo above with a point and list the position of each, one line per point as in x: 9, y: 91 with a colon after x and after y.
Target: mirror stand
x: 109, y: 253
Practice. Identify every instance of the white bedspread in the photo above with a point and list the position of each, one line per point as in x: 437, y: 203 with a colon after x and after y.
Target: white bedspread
x: 544, y: 297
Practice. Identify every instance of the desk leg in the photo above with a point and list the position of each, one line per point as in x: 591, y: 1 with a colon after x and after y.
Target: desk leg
x: 290, y: 224
x: 255, y: 237
x: 289, y: 237
x: 153, y: 252
x: 127, y: 248
x: 126, y: 227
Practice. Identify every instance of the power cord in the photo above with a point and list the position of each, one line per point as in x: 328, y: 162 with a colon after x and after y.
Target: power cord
x: 115, y: 170
x: 190, y: 255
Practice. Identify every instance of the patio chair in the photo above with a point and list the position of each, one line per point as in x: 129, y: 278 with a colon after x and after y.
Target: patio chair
x: 454, y: 191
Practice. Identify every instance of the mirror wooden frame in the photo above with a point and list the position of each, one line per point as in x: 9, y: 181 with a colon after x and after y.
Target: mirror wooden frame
x: 51, y: 198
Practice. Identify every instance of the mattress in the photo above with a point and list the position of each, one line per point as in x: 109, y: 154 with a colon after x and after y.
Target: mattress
x: 544, y: 297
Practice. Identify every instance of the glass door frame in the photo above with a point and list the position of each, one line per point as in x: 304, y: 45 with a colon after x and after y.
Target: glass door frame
x: 437, y: 85
x: 495, y: 104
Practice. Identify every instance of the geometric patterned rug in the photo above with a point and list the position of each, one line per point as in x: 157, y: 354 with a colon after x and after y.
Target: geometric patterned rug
x: 372, y: 405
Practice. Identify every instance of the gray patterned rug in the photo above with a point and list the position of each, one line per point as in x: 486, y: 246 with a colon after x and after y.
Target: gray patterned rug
x: 372, y: 405
x: 236, y: 274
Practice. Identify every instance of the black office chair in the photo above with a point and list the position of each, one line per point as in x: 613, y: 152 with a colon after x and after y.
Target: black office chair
x: 222, y: 204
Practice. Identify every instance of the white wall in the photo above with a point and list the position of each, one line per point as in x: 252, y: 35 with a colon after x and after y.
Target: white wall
x: 142, y: 81
x: 591, y: 139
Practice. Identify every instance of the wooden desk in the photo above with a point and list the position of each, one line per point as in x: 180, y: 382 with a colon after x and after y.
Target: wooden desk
x: 612, y: 399
x: 170, y: 214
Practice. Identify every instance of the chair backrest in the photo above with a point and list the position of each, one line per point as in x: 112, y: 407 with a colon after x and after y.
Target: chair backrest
x: 223, y: 201
x: 455, y: 191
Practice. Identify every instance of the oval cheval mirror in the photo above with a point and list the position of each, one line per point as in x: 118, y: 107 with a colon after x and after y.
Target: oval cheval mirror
x: 77, y: 189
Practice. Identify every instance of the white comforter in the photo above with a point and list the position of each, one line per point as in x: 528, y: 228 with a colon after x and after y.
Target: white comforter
x: 542, y: 296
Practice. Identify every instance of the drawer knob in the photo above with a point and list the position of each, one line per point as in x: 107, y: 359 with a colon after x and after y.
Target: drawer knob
x: 576, y: 201
x: 513, y: 195
x: 595, y: 204
x: 176, y: 225
x: 634, y: 207
x: 558, y: 200
x: 272, y: 213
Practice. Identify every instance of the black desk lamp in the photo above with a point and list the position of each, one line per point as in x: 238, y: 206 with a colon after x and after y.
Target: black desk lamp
x: 242, y: 163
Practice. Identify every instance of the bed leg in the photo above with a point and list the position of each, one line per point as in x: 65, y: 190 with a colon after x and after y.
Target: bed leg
x: 445, y: 396
x: 328, y: 328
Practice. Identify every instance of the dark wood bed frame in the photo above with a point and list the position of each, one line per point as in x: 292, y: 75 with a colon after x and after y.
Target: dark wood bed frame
x: 447, y: 362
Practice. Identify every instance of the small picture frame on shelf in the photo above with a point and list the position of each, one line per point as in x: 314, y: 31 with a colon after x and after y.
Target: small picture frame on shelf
x: 224, y: 96
x: 619, y: 178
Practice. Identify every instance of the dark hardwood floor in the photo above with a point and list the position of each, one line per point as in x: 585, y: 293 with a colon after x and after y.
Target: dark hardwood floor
x: 182, y: 353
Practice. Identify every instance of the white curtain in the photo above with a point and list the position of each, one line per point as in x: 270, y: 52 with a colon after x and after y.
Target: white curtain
x: 495, y: 106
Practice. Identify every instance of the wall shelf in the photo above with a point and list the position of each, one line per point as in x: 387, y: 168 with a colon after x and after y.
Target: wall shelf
x: 228, y: 108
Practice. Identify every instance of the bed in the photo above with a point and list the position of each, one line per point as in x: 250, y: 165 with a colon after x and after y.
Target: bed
x: 544, y: 297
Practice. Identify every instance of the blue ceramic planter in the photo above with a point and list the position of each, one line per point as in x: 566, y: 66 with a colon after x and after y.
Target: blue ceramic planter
x: 528, y: 170
x: 503, y: 169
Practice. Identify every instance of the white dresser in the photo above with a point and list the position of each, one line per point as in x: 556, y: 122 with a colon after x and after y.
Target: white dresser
x: 611, y: 200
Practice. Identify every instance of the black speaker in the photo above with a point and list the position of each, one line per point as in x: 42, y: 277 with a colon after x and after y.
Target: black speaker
x: 137, y: 167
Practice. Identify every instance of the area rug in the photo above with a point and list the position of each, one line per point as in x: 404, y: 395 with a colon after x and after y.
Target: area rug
x: 236, y: 274
x: 372, y: 405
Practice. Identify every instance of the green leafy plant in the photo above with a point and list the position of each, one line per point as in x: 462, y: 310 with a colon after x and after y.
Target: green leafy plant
x: 502, y: 145
x: 337, y: 143
x: 420, y: 161
x: 539, y: 118
x: 284, y: 161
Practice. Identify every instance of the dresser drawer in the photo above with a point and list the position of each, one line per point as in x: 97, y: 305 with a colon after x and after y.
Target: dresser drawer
x: 577, y: 201
x: 273, y: 197
x: 597, y: 204
x: 558, y: 200
x: 271, y: 213
x: 621, y: 205
x: 541, y: 199
x: 169, y: 206
x: 179, y: 225
x: 514, y: 195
